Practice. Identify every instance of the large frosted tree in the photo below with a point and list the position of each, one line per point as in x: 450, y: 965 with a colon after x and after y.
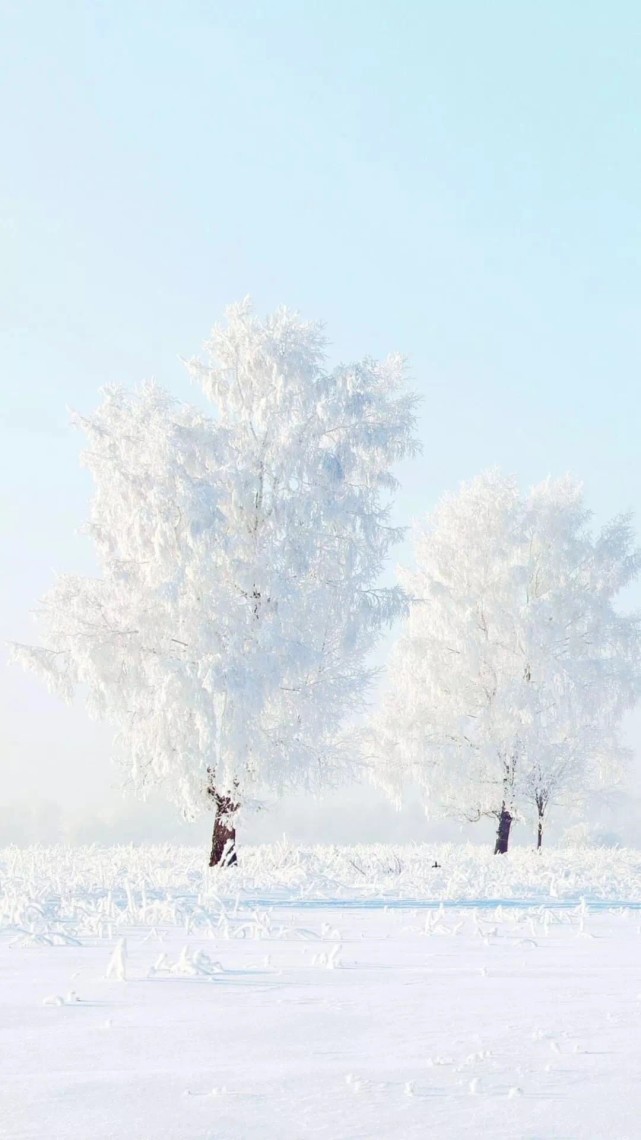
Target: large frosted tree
x: 508, y: 685
x: 227, y: 633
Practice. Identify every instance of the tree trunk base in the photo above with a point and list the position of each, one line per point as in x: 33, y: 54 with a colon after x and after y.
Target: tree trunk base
x: 503, y: 833
x: 223, y: 842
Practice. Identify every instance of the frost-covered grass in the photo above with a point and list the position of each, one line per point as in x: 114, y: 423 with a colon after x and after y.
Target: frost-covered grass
x: 319, y: 992
x: 60, y: 893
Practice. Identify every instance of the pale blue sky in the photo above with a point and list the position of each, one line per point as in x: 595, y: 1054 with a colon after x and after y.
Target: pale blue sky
x: 458, y: 181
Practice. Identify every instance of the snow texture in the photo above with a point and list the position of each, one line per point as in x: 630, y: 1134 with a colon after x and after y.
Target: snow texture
x: 319, y: 992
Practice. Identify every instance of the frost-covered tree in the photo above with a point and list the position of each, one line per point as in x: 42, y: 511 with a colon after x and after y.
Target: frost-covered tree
x: 509, y: 683
x: 227, y: 634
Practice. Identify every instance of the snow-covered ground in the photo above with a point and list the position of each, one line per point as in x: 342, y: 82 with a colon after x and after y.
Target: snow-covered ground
x: 321, y: 992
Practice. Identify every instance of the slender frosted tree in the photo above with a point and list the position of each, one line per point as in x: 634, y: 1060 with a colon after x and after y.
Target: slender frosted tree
x: 226, y: 636
x: 508, y: 685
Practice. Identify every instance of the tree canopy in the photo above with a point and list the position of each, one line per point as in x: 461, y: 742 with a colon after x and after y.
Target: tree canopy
x: 227, y: 633
x: 510, y: 679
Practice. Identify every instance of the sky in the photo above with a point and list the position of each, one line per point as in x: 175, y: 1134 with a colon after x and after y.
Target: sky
x: 459, y: 182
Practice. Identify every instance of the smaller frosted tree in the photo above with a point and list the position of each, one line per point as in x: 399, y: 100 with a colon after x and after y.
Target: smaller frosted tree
x: 227, y: 632
x: 509, y: 683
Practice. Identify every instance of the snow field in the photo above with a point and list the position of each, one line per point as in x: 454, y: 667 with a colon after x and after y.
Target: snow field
x: 319, y: 992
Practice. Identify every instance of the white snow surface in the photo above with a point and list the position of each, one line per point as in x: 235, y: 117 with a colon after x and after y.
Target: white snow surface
x: 321, y: 992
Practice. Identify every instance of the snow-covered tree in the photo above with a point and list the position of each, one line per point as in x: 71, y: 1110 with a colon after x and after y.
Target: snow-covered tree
x: 227, y: 635
x: 509, y: 683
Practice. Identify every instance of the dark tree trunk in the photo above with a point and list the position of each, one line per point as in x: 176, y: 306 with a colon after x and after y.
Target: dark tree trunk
x: 541, y: 802
x: 223, y: 841
x: 503, y: 833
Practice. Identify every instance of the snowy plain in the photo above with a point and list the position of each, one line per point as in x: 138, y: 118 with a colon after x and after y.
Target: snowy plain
x: 322, y: 992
